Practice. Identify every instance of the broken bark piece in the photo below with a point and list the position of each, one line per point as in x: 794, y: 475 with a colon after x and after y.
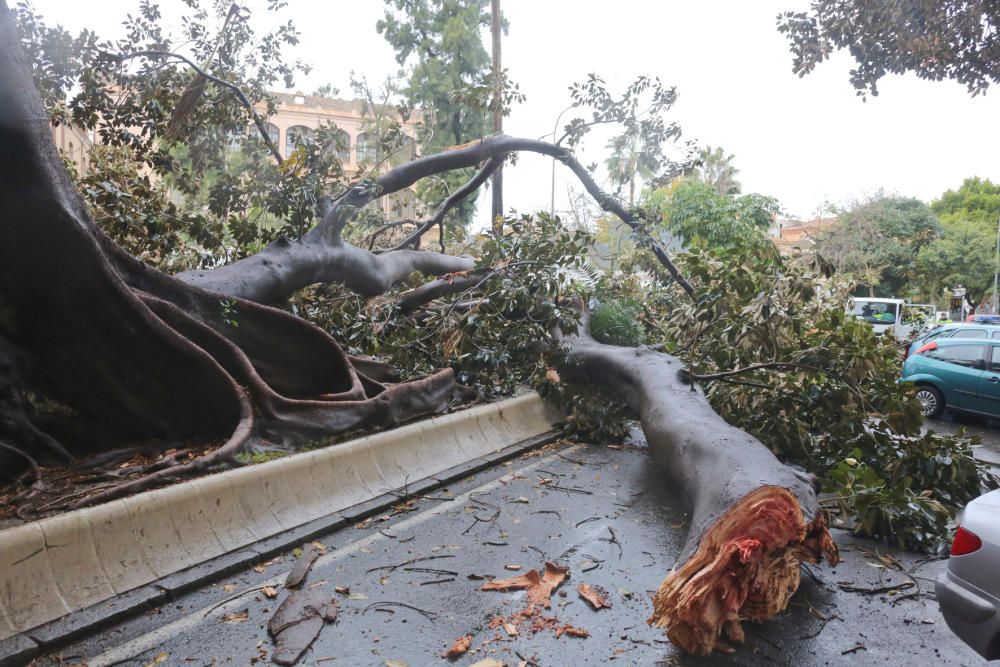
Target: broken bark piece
x: 297, y: 623
x: 460, y: 646
x: 541, y: 592
x: 520, y: 582
x: 572, y: 631
x: 302, y: 567
x: 538, y: 586
x: 753, y: 519
x: 595, y: 596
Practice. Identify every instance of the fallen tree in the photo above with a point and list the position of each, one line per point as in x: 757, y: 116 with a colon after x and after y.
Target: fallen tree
x: 753, y: 519
x: 136, y: 355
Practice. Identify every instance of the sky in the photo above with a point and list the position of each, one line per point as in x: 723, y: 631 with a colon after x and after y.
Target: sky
x: 809, y: 142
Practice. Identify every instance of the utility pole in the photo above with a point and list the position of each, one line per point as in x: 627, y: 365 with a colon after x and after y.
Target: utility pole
x: 497, y: 120
x: 996, y: 269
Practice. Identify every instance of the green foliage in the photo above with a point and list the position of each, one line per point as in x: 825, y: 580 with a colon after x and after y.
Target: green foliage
x: 946, y: 39
x: 834, y: 406
x: 618, y: 322
x: 977, y: 200
x: 441, y: 42
x: 716, y: 168
x: 495, y: 337
x: 699, y: 216
x: 965, y: 252
x: 876, y: 243
x: 222, y: 206
x: 964, y: 255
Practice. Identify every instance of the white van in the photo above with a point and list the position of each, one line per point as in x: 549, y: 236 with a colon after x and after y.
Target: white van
x: 885, y: 315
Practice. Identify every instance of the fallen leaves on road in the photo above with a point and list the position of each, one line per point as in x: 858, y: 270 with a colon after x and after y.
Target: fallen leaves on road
x: 595, y: 596
x: 460, y: 646
x: 488, y: 662
x: 530, y: 578
x: 160, y: 657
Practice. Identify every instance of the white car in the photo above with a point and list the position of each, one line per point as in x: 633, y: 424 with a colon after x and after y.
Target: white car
x: 969, y: 589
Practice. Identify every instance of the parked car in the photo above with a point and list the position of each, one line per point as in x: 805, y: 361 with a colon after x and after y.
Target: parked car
x: 956, y: 373
x: 955, y: 330
x: 969, y: 589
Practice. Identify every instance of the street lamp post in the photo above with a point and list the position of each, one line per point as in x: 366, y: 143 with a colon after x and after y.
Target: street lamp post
x: 996, y: 269
x: 555, y: 128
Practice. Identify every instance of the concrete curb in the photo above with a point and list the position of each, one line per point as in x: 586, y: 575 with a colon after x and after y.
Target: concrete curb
x: 64, y: 564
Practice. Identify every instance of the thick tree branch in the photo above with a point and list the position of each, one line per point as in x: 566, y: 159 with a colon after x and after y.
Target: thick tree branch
x: 753, y: 519
x: 285, y: 266
x: 412, y: 299
x: 321, y: 256
x: 474, y: 153
x: 453, y: 200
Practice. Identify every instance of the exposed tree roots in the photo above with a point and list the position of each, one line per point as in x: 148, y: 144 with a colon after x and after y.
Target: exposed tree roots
x: 147, y: 357
x: 753, y: 519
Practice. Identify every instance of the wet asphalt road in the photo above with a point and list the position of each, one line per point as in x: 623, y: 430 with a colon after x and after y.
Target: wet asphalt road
x: 988, y: 431
x: 607, y: 515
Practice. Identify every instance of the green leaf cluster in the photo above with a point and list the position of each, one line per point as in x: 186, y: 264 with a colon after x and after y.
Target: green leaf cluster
x: 821, y: 391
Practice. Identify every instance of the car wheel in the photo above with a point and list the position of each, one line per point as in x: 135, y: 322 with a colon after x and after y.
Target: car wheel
x: 931, y: 401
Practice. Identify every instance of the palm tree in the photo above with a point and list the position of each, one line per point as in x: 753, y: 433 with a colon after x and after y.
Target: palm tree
x: 630, y: 159
x: 716, y: 168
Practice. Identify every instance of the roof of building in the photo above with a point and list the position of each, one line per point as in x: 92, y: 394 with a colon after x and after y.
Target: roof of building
x: 328, y: 103
x: 801, y: 235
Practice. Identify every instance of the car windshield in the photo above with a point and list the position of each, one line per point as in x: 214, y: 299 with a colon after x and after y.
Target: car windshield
x: 876, y: 313
x: 933, y: 333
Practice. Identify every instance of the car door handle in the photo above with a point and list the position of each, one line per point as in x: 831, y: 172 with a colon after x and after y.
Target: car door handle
x: 993, y: 378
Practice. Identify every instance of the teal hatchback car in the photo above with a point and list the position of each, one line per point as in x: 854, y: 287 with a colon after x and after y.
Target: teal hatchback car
x: 961, y: 374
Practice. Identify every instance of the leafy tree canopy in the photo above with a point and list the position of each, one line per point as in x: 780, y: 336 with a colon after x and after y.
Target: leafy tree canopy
x: 963, y: 255
x: 876, y: 242
x: 976, y: 199
x: 440, y: 40
x: 699, y: 215
x: 947, y: 39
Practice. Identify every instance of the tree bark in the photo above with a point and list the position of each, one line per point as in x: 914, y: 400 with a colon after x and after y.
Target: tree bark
x: 321, y: 255
x: 753, y: 519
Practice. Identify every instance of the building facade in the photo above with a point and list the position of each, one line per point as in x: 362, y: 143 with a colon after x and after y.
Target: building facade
x: 299, y: 115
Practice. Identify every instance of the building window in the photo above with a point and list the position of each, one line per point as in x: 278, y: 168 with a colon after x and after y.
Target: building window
x: 294, y: 136
x: 343, y: 146
x: 367, y: 149
x: 234, y: 137
x: 273, y: 133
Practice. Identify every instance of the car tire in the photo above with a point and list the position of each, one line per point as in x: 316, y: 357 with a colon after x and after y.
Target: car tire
x: 931, y: 401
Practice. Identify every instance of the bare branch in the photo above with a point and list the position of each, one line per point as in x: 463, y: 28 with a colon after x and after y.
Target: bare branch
x: 471, y: 186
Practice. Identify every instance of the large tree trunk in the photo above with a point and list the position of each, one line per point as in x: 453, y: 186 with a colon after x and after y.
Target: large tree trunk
x: 137, y: 354
x: 753, y: 519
